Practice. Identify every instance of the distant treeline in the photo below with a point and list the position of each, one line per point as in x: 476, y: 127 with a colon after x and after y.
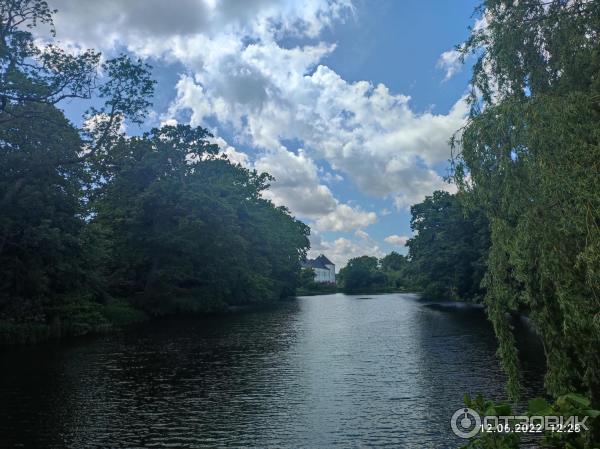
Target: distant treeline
x: 98, y: 227
x: 446, y: 256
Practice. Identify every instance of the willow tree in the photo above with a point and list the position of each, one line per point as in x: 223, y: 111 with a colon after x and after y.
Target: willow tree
x: 530, y: 154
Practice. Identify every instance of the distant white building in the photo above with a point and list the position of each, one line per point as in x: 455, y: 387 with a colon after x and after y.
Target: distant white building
x: 323, y: 267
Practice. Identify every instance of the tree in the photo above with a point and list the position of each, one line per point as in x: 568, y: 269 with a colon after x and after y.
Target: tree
x: 30, y: 74
x: 393, y: 262
x: 449, y: 251
x: 182, y: 220
x: 397, y: 269
x: 42, y: 212
x: 160, y: 220
x: 48, y: 167
x: 530, y: 154
x: 307, y: 278
x: 362, y: 274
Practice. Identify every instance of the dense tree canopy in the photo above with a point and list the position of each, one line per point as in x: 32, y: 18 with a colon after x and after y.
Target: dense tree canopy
x: 90, y: 216
x: 397, y: 270
x: 362, y: 274
x: 530, y: 155
x: 446, y: 256
x: 449, y: 249
x: 181, y: 218
x: 42, y: 211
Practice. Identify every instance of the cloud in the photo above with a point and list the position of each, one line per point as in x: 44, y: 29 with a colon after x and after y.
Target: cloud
x: 362, y: 234
x: 449, y: 61
x: 329, y: 177
x: 298, y: 187
x: 397, y: 240
x: 363, y: 131
x: 421, y: 186
x: 482, y: 22
x: 235, y: 156
x: 345, y: 218
x: 238, y: 73
x: 151, y: 26
x: 342, y: 249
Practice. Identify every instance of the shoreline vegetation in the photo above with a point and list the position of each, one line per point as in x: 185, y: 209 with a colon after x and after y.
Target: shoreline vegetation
x: 88, y: 318
x: 446, y: 257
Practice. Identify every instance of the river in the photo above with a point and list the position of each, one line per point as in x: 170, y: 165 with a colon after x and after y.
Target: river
x: 320, y: 371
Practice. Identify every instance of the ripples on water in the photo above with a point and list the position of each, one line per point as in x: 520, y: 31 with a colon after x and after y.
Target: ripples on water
x: 322, y: 371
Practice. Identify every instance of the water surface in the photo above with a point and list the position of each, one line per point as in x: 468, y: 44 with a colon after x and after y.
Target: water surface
x: 322, y: 371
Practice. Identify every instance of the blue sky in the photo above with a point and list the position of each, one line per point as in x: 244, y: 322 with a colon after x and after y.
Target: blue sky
x: 349, y: 104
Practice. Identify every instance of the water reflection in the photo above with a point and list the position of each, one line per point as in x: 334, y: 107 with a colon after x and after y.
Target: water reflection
x: 330, y: 371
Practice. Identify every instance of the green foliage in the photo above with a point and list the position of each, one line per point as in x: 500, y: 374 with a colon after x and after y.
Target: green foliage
x: 182, y: 219
x: 30, y: 74
x: 447, y: 256
x: 23, y: 333
x: 449, y: 250
x: 34, y: 75
x: 120, y: 313
x: 529, y: 154
x: 362, y: 274
x: 45, y: 251
x: 159, y: 221
x: 398, y: 271
x: 365, y: 274
x: 307, y: 278
x: 42, y: 209
x: 78, y: 316
x: 491, y: 440
x: 393, y: 262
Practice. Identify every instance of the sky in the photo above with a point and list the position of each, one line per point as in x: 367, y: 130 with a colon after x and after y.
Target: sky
x: 349, y: 104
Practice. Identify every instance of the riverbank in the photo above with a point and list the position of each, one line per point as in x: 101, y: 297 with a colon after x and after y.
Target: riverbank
x: 376, y: 291
x: 77, y: 318
x: 83, y: 317
x: 330, y: 290
x: 72, y: 319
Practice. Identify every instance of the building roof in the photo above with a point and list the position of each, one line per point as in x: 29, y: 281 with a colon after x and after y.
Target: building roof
x: 319, y: 262
x: 324, y: 260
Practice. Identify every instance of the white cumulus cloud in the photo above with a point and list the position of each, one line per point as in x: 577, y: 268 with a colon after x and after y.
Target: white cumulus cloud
x: 342, y: 249
x: 297, y: 185
x: 238, y: 73
x: 398, y: 240
x: 449, y: 61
